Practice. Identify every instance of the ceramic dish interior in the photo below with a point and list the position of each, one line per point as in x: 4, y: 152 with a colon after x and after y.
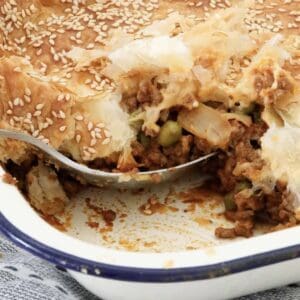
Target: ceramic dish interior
x: 114, y: 255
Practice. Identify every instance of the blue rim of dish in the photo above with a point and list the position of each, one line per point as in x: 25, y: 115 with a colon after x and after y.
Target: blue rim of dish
x: 75, y: 263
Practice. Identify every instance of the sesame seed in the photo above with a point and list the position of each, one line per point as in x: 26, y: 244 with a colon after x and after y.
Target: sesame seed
x: 62, y: 128
x: 91, y: 150
x: 90, y: 46
x: 78, y: 138
x: 37, y: 113
x: 40, y: 106
x: 16, y: 102
x: 90, y: 126
x: 62, y: 114
x: 49, y: 121
x: 27, y: 92
x: 106, y: 141
x: 60, y: 97
x: 93, y: 142
x: 98, y: 135
x: 79, y: 118
x: 86, y: 154
x: 35, y: 133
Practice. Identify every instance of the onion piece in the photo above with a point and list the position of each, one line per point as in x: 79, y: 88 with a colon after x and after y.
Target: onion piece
x: 207, y: 123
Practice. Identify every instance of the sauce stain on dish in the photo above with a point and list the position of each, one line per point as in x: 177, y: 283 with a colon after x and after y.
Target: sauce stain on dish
x: 52, y: 220
x: 154, y: 206
x: 168, y: 264
x: 108, y: 215
x: 179, y: 217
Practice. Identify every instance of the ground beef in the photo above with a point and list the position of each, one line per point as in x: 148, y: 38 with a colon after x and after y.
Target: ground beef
x: 156, y: 157
x: 242, y: 228
x: 225, y: 233
x: 130, y: 103
x: 273, y: 208
x: 180, y: 153
x: 241, y: 150
x: 148, y: 95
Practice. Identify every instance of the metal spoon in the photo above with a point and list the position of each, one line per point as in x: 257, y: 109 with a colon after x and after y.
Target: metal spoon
x: 101, y: 178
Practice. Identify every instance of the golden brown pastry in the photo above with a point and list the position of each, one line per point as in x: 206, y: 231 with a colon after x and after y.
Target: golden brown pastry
x: 67, y: 65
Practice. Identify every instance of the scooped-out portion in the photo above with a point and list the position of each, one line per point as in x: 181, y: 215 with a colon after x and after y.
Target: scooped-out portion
x: 138, y: 87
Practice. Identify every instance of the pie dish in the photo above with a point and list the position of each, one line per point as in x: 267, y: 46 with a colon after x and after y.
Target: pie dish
x: 139, y: 86
x: 142, y: 85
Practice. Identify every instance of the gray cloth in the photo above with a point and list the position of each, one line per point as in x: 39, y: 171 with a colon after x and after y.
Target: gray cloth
x: 26, y: 277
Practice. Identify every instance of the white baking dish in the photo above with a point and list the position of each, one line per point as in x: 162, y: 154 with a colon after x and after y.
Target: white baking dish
x: 219, y: 272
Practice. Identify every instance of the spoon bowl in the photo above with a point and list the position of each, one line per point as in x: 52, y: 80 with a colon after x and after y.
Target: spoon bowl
x: 102, y: 178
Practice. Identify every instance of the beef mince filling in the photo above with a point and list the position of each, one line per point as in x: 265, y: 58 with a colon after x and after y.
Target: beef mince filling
x: 244, y: 206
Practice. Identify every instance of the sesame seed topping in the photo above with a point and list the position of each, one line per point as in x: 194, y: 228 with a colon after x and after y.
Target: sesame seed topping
x: 87, y: 25
x: 106, y: 141
x: 35, y: 133
x: 27, y: 92
x: 37, y: 113
x: 78, y: 138
x: 91, y: 150
x: 40, y: 106
x: 60, y: 97
x: 49, y: 121
x: 93, y: 142
x: 16, y: 102
x: 79, y: 118
x: 90, y: 126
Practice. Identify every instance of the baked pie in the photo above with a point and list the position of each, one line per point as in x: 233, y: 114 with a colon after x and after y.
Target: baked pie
x: 142, y: 85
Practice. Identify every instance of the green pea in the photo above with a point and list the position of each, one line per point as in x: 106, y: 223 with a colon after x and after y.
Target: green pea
x: 135, y: 121
x: 229, y: 202
x: 242, y: 185
x: 170, y: 133
x: 144, y: 140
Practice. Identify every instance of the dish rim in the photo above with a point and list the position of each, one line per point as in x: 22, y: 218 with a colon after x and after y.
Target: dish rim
x: 134, y: 274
